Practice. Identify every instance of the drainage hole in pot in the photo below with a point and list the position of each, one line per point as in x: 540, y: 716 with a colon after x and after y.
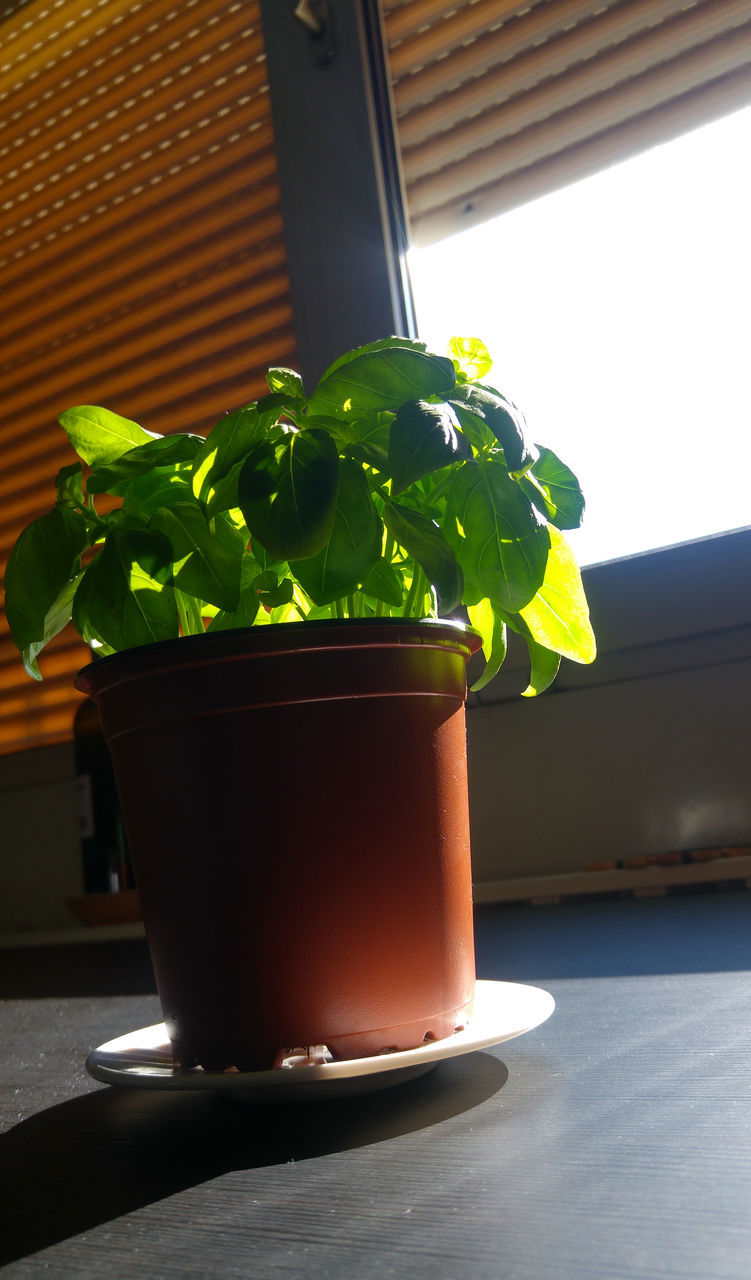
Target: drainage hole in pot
x: 429, y: 1037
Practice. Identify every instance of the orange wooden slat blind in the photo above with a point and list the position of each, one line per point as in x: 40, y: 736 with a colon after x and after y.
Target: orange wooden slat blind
x: 141, y: 251
x: 499, y: 101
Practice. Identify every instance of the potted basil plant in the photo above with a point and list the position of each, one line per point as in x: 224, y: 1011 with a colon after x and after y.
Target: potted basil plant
x: 280, y: 670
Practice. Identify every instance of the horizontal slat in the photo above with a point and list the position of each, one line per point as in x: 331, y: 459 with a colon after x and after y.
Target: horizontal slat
x: 573, y: 54
x: 570, y: 164
x: 243, y: 168
x: 613, y: 107
x: 96, y: 174
x: 463, y: 22
x: 81, y: 299
x: 666, y: 61
x: 162, y: 45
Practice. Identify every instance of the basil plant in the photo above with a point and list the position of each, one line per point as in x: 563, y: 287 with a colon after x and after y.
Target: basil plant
x: 404, y: 486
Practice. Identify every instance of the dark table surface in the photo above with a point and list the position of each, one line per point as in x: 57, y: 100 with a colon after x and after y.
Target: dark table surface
x: 613, y: 1141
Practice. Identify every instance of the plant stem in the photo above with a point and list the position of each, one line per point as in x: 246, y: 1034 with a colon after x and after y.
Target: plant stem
x: 339, y: 609
x: 183, y: 612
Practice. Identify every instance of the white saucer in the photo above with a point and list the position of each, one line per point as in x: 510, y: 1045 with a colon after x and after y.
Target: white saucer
x: 143, y: 1059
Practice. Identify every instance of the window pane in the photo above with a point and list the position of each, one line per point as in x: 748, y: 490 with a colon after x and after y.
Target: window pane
x: 617, y: 311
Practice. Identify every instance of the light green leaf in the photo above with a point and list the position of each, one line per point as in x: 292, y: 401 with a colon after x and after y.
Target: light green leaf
x: 99, y: 436
x: 558, y: 616
x: 484, y: 618
x: 544, y: 670
x: 471, y: 357
x: 287, y: 382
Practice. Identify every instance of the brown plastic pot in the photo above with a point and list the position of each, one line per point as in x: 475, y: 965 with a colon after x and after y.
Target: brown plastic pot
x: 295, y: 799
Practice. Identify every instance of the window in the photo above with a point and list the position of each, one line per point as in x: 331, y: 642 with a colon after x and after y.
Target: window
x: 617, y: 310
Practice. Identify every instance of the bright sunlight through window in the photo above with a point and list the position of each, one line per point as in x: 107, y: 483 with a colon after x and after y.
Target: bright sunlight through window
x: 617, y: 312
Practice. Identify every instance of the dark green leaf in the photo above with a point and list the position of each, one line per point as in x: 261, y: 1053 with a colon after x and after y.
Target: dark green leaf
x: 160, y: 488
x: 554, y: 490
x: 45, y: 557
x: 498, y: 538
x: 69, y: 485
x: 382, y: 379
x: 287, y: 493
x: 475, y: 429
x: 245, y: 613
x: 367, y: 440
x: 384, y: 583
x: 353, y: 547
x: 423, y: 540
x: 282, y: 593
x: 56, y: 619
x: 424, y: 438
x: 227, y: 445
x: 206, y: 558
x: 165, y: 451
x: 100, y: 436
x: 505, y: 421
x: 125, y: 602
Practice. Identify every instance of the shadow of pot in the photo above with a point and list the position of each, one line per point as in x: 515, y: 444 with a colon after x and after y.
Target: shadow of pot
x: 295, y: 800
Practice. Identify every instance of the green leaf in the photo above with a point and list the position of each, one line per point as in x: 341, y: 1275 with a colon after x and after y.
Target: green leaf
x: 56, y: 619
x: 475, y: 429
x: 558, y: 616
x: 125, y: 602
x: 544, y: 670
x: 423, y: 540
x: 287, y: 382
x: 471, y: 358
x: 353, y: 547
x: 227, y: 444
x: 162, y: 487
x: 424, y: 438
x: 100, y: 436
x: 45, y: 557
x: 245, y: 613
x: 69, y: 485
x: 163, y: 452
x: 367, y: 440
x: 384, y: 583
x: 206, y: 558
x: 492, y: 627
x: 498, y: 538
x: 282, y: 593
x: 554, y: 490
x: 287, y: 493
x: 381, y: 379
x: 507, y: 424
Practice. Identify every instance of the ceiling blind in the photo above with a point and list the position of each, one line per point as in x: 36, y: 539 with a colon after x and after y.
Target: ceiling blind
x: 141, y: 250
x: 498, y: 102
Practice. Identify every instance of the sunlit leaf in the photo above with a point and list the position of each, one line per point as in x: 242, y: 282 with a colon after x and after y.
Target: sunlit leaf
x: 126, y: 603
x: 99, y: 436
x: 471, y: 357
x: 558, y: 616
x: 555, y: 490
x: 484, y: 618
x: 382, y: 379
x: 206, y: 558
